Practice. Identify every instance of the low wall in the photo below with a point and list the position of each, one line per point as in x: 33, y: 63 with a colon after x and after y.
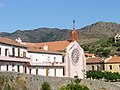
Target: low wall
x: 34, y: 82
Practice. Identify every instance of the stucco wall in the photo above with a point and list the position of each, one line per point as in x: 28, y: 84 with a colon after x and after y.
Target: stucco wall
x: 10, y: 51
x: 115, y: 67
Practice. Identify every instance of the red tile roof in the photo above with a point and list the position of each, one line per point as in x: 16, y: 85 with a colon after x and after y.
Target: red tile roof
x: 52, y: 46
x: 94, y: 60
x: 89, y: 55
x: 10, y: 42
x: 114, y: 59
x: 37, y: 50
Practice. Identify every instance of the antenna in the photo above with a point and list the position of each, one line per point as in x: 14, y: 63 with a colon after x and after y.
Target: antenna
x: 73, y: 24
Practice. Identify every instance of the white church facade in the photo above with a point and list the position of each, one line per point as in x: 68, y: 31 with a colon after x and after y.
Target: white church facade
x: 58, y: 58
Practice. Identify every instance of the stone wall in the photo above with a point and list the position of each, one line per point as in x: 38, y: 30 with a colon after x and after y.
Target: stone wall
x: 34, y: 82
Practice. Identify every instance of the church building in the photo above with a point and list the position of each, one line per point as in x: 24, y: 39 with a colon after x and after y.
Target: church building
x: 57, y: 58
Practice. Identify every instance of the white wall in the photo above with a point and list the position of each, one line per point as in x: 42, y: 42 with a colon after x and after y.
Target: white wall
x: 9, y: 47
x: 40, y: 57
x: 71, y: 68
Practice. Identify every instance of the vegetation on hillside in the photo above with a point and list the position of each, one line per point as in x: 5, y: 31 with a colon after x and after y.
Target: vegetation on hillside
x: 103, y: 47
x: 86, y: 34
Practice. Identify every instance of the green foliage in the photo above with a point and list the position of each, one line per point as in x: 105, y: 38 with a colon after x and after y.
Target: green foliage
x: 106, y: 52
x: 74, y: 86
x: 46, y: 86
x: 86, y: 47
x: 117, y: 44
x: 109, y: 76
x: 118, y: 49
x: 103, y: 47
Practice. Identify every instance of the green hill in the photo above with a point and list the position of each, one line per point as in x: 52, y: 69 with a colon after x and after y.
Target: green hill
x: 86, y: 34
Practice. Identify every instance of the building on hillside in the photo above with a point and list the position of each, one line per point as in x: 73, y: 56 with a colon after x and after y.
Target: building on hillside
x: 112, y: 64
x: 13, y: 56
x: 89, y: 55
x: 117, y: 37
x: 95, y: 63
x: 58, y: 58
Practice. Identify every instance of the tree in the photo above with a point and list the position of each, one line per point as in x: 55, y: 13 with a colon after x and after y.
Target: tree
x: 46, y: 86
x: 106, y: 52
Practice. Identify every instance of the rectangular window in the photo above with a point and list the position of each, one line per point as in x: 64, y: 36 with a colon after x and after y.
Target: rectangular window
x: 6, y: 52
x: 18, y: 67
x: 55, y: 72
x: 29, y: 71
x: 119, y: 67
x: 18, y: 52
x: 62, y: 59
x: 110, y: 66
x: 36, y: 71
x: 13, y: 67
x: 0, y: 51
x: 24, y: 54
x: 92, y: 68
x: 63, y: 71
x: 13, y: 52
x: 7, y: 67
x: 24, y: 69
x: 54, y: 59
x: 103, y: 67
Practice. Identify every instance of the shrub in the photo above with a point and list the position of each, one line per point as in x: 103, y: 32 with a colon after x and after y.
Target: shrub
x: 46, y: 86
x: 74, y: 86
x: 109, y: 76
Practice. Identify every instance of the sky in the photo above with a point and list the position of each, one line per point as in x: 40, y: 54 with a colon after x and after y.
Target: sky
x: 32, y: 14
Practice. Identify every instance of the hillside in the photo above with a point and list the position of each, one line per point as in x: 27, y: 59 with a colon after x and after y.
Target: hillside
x: 86, y: 34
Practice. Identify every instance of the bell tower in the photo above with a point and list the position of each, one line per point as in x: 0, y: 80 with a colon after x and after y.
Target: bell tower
x: 74, y: 35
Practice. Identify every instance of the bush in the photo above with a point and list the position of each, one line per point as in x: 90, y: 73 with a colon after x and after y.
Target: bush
x: 109, y: 76
x: 46, y: 86
x: 74, y: 86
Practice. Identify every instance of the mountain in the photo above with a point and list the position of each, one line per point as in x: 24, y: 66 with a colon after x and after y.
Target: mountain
x: 86, y: 34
